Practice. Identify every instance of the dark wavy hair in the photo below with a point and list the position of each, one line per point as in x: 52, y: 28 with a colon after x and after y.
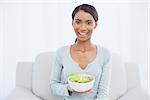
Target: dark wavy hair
x: 87, y: 8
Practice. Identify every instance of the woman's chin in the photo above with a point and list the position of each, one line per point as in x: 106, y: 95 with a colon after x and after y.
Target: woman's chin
x: 83, y: 40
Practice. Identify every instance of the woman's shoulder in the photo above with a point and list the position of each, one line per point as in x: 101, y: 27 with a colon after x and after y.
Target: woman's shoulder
x: 102, y: 48
x: 105, y: 51
x: 62, y: 49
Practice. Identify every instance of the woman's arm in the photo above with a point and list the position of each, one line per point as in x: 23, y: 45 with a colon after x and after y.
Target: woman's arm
x: 56, y: 86
x: 104, y: 82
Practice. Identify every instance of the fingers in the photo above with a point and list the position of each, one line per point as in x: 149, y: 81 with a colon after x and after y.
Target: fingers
x: 86, y: 92
x: 90, y: 91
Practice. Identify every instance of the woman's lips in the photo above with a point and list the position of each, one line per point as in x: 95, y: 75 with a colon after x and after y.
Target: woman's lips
x: 82, y: 34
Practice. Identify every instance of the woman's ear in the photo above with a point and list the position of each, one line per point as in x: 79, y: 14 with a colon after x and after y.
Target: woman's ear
x: 72, y: 22
x: 95, y: 25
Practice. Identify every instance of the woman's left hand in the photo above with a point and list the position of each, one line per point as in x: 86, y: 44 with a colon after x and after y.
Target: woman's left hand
x: 86, y: 92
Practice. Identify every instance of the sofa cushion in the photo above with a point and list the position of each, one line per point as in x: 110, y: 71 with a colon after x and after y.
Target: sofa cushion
x: 41, y: 76
x: 118, y: 84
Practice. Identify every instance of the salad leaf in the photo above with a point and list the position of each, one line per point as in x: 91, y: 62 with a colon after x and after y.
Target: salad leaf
x: 80, y: 78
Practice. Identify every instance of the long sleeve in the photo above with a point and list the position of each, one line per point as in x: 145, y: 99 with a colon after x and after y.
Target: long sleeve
x: 56, y: 86
x: 104, y: 82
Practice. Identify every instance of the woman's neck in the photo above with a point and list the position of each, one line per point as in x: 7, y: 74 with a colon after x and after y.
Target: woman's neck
x: 83, y: 46
x: 86, y: 44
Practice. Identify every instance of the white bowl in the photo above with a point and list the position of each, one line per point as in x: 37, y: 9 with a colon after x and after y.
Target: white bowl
x: 82, y: 87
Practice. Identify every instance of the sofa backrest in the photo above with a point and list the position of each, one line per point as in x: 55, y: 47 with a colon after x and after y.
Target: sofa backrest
x: 118, y: 85
x: 24, y: 75
x: 42, y: 69
x: 133, y: 75
x: 41, y: 76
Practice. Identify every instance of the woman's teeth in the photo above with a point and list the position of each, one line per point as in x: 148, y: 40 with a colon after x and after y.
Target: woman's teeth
x: 82, y: 33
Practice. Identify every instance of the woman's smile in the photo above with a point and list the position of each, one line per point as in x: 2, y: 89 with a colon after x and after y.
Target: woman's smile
x: 82, y: 35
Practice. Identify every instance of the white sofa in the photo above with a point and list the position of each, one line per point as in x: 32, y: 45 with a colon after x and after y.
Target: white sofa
x: 32, y: 80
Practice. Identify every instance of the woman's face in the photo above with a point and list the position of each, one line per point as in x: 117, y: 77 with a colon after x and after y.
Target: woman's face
x: 83, y: 25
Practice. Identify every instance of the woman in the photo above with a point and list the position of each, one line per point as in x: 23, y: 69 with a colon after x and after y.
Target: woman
x: 82, y: 57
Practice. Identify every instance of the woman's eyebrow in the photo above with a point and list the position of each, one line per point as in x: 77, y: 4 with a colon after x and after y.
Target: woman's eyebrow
x: 89, y: 20
x: 78, y: 19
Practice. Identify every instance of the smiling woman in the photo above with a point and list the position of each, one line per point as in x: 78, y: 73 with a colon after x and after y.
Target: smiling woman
x: 82, y: 57
x: 83, y: 25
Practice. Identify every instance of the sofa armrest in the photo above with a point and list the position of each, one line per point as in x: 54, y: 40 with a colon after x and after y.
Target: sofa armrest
x: 133, y: 75
x: 136, y: 94
x: 24, y: 74
x: 20, y: 93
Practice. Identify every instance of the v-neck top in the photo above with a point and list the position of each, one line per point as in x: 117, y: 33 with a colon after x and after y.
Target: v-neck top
x: 64, y: 66
x: 73, y: 61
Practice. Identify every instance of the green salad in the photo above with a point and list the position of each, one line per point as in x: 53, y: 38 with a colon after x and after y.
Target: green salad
x: 79, y: 78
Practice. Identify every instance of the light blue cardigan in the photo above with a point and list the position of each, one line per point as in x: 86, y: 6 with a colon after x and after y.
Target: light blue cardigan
x: 64, y: 65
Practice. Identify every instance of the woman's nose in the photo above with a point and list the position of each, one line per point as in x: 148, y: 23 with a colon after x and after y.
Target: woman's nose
x: 83, y: 27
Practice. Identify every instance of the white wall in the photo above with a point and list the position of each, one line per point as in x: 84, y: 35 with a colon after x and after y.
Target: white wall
x: 30, y: 27
x: 149, y: 46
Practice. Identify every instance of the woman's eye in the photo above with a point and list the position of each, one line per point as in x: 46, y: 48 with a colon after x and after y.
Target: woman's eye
x: 77, y: 22
x: 89, y: 23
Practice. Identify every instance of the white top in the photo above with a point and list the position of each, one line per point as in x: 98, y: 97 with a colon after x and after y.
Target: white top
x: 64, y: 65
